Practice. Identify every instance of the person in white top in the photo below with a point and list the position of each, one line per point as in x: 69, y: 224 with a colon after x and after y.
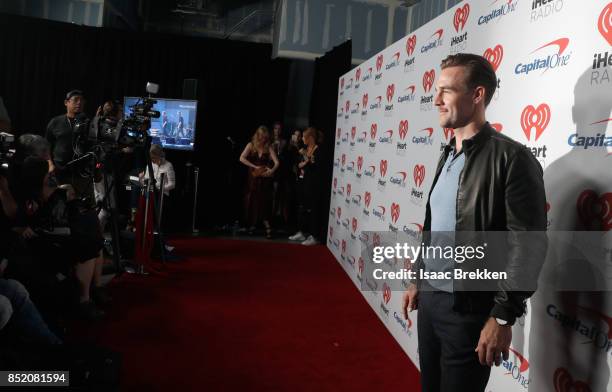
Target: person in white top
x: 160, y: 166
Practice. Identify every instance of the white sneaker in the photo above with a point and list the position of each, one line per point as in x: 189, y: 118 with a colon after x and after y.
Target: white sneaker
x: 299, y: 236
x: 310, y: 241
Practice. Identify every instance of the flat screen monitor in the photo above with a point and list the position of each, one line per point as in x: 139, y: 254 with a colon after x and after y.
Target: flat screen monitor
x: 176, y: 126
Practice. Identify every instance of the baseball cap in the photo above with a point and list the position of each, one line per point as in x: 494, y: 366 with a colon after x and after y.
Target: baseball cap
x: 73, y: 93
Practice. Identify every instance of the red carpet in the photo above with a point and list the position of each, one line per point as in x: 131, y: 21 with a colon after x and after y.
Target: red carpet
x: 250, y: 316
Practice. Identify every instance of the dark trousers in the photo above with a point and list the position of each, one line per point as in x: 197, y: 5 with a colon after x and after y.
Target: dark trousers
x: 447, y: 340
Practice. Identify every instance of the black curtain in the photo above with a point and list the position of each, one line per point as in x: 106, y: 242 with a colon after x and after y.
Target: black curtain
x: 239, y: 88
x: 323, y: 109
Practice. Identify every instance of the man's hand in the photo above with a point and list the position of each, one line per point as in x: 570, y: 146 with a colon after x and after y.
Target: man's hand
x: 410, y: 300
x: 494, y: 343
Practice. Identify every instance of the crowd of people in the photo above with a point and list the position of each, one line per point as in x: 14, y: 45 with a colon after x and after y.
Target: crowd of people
x: 283, y: 182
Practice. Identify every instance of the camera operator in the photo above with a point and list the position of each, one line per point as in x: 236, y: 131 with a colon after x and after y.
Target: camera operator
x: 63, y: 140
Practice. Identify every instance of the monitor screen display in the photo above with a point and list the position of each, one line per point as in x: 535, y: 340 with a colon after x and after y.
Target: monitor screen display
x: 176, y: 126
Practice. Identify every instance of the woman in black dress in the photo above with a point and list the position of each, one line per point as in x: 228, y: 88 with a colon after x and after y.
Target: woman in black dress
x: 261, y: 159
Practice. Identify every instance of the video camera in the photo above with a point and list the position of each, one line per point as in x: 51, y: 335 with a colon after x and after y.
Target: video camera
x: 7, y: 150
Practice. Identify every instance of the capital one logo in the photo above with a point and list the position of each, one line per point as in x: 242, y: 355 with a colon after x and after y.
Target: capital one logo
x: 461, y: 17
x: 379, y: 63
x: 545, y: 62
x: 563, y: 382
x: 536, y: 119
x: 383, y: 167
x: 494, y: 56
x: 386, y: 293
x: 410, y: 44
x: 395, y: 212
x: 418, y: 174
x: 604, y: 23
x: 390, y: 92
x: 403, y: 129
x: 428, y: 80
x: 367, y: 199
x: 595, y: 211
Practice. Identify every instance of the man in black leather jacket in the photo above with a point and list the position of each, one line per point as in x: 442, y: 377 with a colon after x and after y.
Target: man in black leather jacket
x: 498, y: 186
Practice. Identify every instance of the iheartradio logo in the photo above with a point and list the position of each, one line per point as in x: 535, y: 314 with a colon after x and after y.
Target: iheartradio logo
x: 354, y: 224
x: 428, y: 80
x: 535, y: 118
x: 395, y: 212
x: 595, y: 211
x: 604, y: 23
x: 353, y: 132
x: 347, y: 106
x: 449, y: 133
x: 379, y: 62
x: 563, y: 382
x: 359, y: 162
x: 418, y: 173
x: 383, y: 167
x: 403, y: 129
x: 367, y: 199
x: 343, y: 159
x: 494, y: 55
x: 364, y: 101
x: 343, y: 246
x: 358, y: 74
x: 373, y: 130
x: 386, y: 293
x: 348, y: 190
x: 410, y: 44
x: 497, y: 126
x: 461, y: 17
x: 390, y: 92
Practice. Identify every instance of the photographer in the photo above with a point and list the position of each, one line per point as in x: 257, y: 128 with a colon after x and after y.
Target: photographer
x: 41, y: 206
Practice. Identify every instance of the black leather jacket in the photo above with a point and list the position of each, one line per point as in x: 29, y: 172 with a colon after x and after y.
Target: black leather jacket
x: 501, y: 188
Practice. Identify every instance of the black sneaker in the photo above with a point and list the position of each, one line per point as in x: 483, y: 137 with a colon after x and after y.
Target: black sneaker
x: 88, y: 311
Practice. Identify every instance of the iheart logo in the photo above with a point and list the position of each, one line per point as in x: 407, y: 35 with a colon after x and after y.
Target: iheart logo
x: 395, y: 212
x: 383, y: 167
x: 339, y: 212
x: 353, y: 132
x: 536, y: 118
x: 361, y: 265
x: 461, y: 17
x: 403, y: 129
x: 419, y: 175
x: 343, y: 246
x: 376, y: 239
x: 494, y: 56
x: 354, y: 224
x: 564, y: 382
x: 367, y: 199
x: 604, y: 24
x: 428, y: 80
x: 373, y: 130
x: 359, y: 162
x: 331, y: 231
x: 379, y: 62
x: 364, y: 101
x: 358, y: 74
x: 348, y: 190
x: 595, y: 211
x: 390, y: 92
x: 497, y: 126
x: 386, y: 293
x: 335, y: 182
x: 347, y: 105
x: 449, y: 133
x: 343, y: 159
x: 410, y: 44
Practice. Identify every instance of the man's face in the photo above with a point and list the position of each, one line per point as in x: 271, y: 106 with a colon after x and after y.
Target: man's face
x: 455, y: 101
x: 75, y: 104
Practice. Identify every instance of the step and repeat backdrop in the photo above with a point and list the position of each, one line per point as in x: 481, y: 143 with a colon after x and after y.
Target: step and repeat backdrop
x: 553, y: 59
